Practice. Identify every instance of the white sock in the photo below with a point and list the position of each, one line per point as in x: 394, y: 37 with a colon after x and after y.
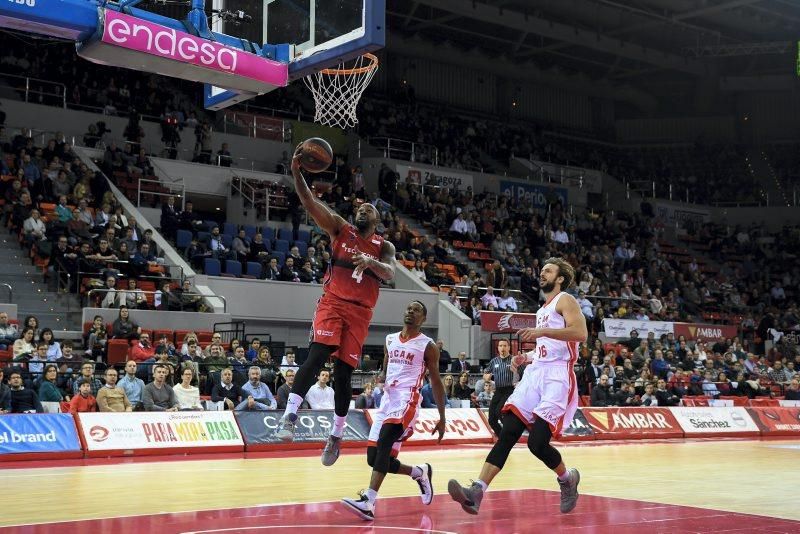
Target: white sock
x: 371, y: 494
x: 416, y: 471
x: 338, y: 426
x: 565, y: 476
x: 482, y: 484
x: 293, y: 404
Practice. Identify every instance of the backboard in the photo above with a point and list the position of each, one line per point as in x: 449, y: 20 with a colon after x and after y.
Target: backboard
x: 324, y: 32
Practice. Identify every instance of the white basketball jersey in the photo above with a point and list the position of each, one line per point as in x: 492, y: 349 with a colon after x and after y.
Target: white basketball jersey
x: 406, y: 365
x: 552, y: 350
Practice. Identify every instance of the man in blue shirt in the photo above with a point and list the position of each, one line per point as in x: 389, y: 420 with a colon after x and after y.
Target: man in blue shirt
x: 31, y: 171
x: 258, y: 396
x: 133, y: 386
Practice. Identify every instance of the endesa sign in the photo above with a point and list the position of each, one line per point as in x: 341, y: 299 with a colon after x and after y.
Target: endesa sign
x: 713, y: 421
x: 464, y: 425
x: 139, y: 35
x: 494, y: 321
x: 111, y: 434
x: 636, y: 423
x: 41, y: 436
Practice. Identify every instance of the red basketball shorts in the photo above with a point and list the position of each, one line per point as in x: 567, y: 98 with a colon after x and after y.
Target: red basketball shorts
x: 341, y: 324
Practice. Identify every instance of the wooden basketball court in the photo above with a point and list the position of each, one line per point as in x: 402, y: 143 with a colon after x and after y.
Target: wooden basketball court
x: 669, y: 486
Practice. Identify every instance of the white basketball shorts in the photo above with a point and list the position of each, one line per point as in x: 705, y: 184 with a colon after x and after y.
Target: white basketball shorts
x: 548, y: 391
x: 398, y: 407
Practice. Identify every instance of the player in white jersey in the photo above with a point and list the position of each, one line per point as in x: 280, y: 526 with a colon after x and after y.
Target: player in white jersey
x: 408, y: 354
x: 546, y: 398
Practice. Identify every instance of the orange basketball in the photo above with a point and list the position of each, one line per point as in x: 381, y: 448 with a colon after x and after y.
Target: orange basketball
x: 316, y: 155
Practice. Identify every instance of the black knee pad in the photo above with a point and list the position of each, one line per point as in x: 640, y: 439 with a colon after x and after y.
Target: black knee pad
x: 394, y: 464
x: 372, y: 452
x: 509, y: 436
x: 539, y: 444
x: 383, y: 458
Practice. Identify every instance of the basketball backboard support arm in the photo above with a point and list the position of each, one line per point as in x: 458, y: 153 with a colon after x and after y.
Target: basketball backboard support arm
x: 86, y: 22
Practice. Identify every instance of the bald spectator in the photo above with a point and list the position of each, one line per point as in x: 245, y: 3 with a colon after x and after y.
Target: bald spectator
x: 602, y: 395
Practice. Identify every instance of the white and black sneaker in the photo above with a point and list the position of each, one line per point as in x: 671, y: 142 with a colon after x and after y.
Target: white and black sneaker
x: 425, y: 482
x: 361, y: 507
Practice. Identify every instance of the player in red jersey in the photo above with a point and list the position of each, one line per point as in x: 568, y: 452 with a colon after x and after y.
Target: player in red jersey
x: 359, y: 261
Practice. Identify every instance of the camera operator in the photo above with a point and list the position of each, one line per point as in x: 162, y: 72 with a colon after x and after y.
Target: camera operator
x: 170, y: 136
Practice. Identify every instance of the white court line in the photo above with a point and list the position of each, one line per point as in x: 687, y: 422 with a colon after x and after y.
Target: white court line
x: 196, y: 510
x: 193, y: 511
x: 358, y: 526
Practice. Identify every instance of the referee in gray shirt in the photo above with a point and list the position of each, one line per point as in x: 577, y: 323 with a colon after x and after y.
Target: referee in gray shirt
x: 504, y: 379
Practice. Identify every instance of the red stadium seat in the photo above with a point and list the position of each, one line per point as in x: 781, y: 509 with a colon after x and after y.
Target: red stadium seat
x: 737, y: 401
x: 170, y: 335
x: 118, y: 351
x: 695, y: 401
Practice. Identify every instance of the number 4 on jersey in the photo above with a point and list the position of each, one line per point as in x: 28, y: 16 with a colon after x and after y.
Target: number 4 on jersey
x: 358, y: 275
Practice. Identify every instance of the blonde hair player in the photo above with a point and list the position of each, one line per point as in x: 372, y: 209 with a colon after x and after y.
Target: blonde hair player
x: 546, y: 398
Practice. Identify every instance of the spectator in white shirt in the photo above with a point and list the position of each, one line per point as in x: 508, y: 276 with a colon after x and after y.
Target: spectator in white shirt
x: 288, y: 363
x: 419, y: 270
x: 472, y: 230
x: 560, y: 236
x: 506, y: 302
x: 586, y: 307
x: 34, y: 227
x: 188, y: 395
x: 320, y: 396
x: 459, y: 228
x: 777, y: 292
x: 489, y: 298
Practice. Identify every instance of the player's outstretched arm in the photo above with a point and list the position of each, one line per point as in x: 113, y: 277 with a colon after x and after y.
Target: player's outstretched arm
x: 432, y: 363
x: 322, y: 215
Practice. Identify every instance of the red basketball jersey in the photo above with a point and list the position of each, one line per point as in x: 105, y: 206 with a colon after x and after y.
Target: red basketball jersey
x: 341, y: 280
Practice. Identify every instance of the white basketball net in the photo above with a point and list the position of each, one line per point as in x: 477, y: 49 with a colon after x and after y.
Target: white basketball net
x: 337, y: 91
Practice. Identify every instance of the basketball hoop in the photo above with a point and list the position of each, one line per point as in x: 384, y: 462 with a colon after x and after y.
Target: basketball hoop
x: 337, y: 90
